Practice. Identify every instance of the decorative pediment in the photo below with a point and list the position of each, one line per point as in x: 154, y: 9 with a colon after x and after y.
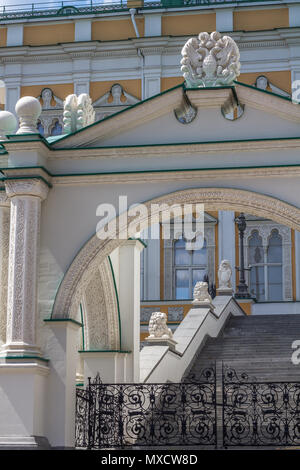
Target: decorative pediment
x: 113, y: 101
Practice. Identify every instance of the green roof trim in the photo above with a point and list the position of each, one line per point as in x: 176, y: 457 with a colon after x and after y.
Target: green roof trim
x: 65, y: 136
x: 53, y: 320
x: 140, y: 240
x: 230, y: 141
x: 43, y: 359
x: 286, y: 98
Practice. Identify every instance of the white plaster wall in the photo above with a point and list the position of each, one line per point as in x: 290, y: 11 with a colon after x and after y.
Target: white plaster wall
x: 209, y: 125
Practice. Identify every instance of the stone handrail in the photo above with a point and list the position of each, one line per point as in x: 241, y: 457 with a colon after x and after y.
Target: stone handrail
x: 159, y: 363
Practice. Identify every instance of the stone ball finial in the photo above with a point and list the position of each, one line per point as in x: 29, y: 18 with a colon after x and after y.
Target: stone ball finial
x: 8, y: 124
x: 28, y: 110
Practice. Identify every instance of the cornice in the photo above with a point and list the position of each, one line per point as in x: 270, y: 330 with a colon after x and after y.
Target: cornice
x: 186, y: 175
x: 162, y: 45
x: 181, y: 149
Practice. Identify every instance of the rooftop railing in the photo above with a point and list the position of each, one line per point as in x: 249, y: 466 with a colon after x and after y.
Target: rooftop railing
x: 88, y: 7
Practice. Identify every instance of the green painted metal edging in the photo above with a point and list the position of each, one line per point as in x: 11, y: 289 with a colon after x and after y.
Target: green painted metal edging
x: 230, y: 141
x: 113, y: 8
x: 81, y: 316
x: 53, y: 320
x: 120, y: 112
x: 140, y: 240
x: 26, y: 357
x: 117, y: 297
x: 104, y: 351
x: 286, y: 98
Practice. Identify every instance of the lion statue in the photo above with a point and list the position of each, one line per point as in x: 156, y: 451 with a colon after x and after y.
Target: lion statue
x: 158, y: 326
x: 224, y: 275
x: 201, y: 293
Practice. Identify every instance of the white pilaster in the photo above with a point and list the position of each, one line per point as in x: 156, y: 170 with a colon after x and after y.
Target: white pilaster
x: 4, y: 250
x: 129, y: 299
x: 152, y: 25
x: 294, y: 15
x: 63, y: 354
x: 226, y: 229
x: 12, y: 95
x: 83, y: 30
x: 26, y: 197
x: 224, y: 19
x: 14, y: 35
x: 297, y: 256
x: 110, y: 365
x: 152, y: 268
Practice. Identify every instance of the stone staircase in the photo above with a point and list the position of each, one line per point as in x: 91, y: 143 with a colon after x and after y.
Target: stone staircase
x: 258, y: 345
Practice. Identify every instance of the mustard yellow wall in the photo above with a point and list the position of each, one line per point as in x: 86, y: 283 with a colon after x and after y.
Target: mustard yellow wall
x: 181, y: 25
x: 48, y: 34
x: 282, y: 79
x: 116, y: 29
x: 3, y: 36
x: 61, y: 90
x: 170, y: 82
x: 133, y: 87
x: 256, y: 20
x: 246, y: 306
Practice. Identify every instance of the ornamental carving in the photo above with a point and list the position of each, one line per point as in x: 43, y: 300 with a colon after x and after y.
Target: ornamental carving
x: 224, y: 275
x: 210, y: 61
x: 201, y: 293
x: 78, y: 112
x: 158, y: 326
x: 28, y: 187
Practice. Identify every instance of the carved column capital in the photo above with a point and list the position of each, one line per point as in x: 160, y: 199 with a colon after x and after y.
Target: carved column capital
x: 4, y: 200
x: 26, y: 187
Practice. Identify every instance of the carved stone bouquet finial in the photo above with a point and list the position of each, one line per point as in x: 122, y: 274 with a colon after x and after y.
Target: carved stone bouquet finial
x: 224, y: 275
x: 202, y: 297
x: 78, y: 112
x: 159, y: 331
x: 210, y: 61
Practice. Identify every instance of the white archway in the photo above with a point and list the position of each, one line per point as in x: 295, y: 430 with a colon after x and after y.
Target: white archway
x: 96, y: 250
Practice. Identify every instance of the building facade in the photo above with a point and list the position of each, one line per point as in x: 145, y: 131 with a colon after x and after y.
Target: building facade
x: 73, y: 303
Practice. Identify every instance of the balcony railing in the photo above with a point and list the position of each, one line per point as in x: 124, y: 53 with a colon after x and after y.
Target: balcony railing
x: 88, y: 7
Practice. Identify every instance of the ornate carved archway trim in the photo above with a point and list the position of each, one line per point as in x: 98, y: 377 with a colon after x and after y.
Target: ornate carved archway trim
x: 96, y: 250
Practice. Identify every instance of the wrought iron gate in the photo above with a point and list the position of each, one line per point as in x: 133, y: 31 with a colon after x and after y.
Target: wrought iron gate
x: 248, y: 413
x: 169, y: 414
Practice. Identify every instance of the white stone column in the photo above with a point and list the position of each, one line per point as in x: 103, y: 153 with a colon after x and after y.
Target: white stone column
x: 4, y: 250
x: 297, y: 256
x: 226, y: 237
x: 129, y: 299
x: 26, y: 197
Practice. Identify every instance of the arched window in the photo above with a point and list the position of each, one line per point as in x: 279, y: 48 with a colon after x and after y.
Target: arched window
x: 190, y: 266
x: 56, y: 129
x: 266, y: 280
